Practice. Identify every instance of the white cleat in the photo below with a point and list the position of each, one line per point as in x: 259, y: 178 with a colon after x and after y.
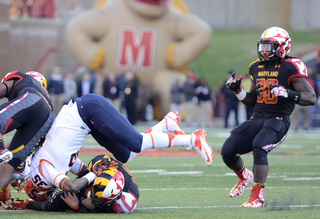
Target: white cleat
x: 172, y: 123
x: 5, y: 156
x: 200, y: 144
x: 169, y: 123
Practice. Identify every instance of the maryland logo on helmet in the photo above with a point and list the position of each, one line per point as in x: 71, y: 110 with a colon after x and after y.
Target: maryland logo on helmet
x: 39, y: 77
x: 108, y: 185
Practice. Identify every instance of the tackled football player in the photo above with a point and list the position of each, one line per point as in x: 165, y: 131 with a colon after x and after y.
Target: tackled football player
x: 93, y: 114
x: 29, y: 112
x: 278, y: 82
x: 113, y: 191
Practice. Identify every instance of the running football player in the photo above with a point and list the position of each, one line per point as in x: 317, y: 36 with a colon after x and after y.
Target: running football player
x: 278, y: 83
x: 29, y: 112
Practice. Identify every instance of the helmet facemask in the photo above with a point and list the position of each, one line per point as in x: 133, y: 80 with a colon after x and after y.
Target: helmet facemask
x: 267, y: 50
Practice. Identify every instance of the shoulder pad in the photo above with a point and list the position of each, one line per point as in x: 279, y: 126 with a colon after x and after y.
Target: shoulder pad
x: 299, y: 66
x: 10, y: 75
x: 255, y: 61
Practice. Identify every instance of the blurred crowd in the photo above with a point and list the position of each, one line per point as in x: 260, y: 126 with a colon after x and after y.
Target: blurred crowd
x: 190, y: 96
x: 32, y: 8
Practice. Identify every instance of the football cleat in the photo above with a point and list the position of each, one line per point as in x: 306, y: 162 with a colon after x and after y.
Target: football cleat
x: 5, y: 156
x: 16, y: 204
x: 256, y: 198
x: 200, y: 144
x: 244, y: 179
x: 171, y: 121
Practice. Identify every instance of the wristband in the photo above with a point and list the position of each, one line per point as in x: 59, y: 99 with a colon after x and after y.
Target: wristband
x: 241, y: 94
x: 294, y: 96
x: 77, y: 207
x: 90, y: 177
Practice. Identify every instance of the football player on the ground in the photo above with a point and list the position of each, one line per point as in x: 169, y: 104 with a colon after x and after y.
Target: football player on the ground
x: 29, y: 112
x: 278, y: 83
x: 113, y: 191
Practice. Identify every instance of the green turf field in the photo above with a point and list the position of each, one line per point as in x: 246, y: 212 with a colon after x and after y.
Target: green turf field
x: 184, y: 187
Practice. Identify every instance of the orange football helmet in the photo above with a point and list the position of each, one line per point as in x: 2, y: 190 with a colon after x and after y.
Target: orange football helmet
x: 35, y: 193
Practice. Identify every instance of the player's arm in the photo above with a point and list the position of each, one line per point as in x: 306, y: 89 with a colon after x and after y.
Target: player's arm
x: 303, y: 93
x: 5, y: 88
x: 77, y: 167
x: 307, y: 93
x: 248, y: 99
x: 62, y: 181
x: 79, y: 183
x: 251, y: 97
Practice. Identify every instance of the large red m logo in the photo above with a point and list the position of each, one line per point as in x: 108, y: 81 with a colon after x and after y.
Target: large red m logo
x: 136, y: 49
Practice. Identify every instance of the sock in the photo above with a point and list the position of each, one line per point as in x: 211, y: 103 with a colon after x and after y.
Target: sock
x: 163, y: 140
x: 132, y: 155
x: 240, y: 172
x: 261, y: 184
x: 159, y: 127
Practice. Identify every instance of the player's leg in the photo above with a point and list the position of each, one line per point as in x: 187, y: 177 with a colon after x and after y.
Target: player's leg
x: 196, y: 140
x: 271, y: 135
x: 7, y: 111
x: 31, y: 123
x: 170, y: 123
x: 238, y: 143
x: 137, y: 143
x: 113, y: 131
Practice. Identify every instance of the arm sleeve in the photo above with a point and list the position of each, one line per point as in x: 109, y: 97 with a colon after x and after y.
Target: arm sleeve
x: 51, y: 174
x: 77, y: 167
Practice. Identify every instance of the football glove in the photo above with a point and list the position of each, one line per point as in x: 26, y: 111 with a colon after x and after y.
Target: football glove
x: 233, y: 83
x: 280, y: 91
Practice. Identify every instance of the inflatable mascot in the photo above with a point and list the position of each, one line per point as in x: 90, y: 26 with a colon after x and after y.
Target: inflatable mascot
x: 155, y: 39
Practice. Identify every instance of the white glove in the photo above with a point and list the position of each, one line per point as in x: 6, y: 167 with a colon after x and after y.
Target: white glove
x: 279, y: 91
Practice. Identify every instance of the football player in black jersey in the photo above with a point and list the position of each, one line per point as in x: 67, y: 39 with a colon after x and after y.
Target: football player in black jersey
x: 29, y: 112
x: 278, y: 82
x: 94, y: 198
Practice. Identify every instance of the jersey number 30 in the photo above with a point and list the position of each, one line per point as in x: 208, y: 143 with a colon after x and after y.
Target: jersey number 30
x: 264, y: 94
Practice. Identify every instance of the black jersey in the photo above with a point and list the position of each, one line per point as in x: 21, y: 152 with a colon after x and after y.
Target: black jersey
x: 23, y: 83
x: 275, y: 73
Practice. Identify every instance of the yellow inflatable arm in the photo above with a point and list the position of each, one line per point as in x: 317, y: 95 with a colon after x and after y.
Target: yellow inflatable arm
x: 179, y: 4
x: 99, y: 3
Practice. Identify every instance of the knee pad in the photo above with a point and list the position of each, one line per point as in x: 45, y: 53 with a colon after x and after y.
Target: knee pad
x: 228, y: 153
x: 259, y: 156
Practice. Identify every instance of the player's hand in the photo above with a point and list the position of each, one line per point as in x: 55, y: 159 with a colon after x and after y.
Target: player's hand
x: 233, y: 83
x: 70, y: 199
x: 279, y: 91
